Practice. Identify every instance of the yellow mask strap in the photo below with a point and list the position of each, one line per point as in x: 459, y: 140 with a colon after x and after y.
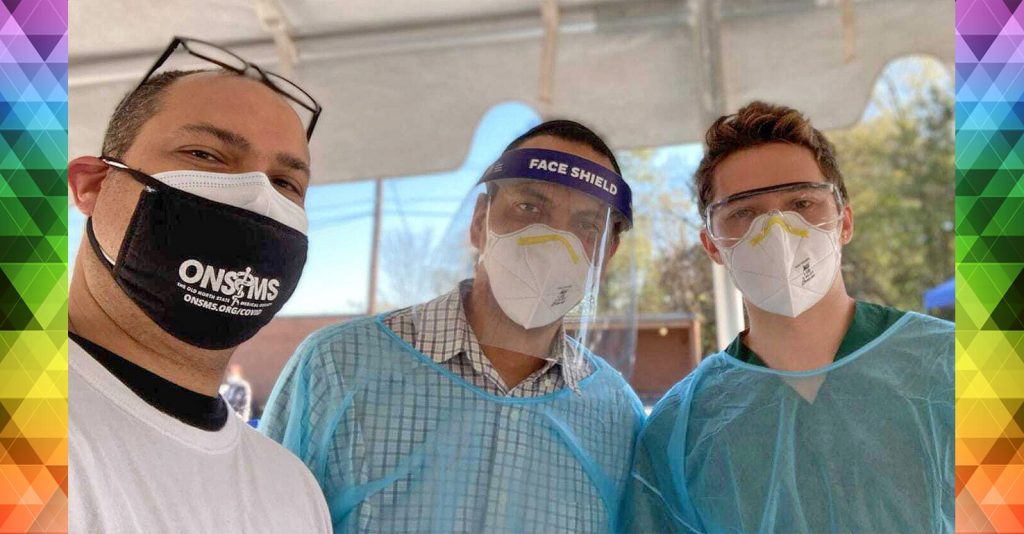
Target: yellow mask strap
x: 547, y: 238
x: 777, y: 220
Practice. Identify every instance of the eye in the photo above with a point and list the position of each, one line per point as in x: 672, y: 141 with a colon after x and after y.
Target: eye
x: 803, y: 203
x: 203, y: 155
x: 742, y: 213
x: 285, y: 184
x: 527, y: 207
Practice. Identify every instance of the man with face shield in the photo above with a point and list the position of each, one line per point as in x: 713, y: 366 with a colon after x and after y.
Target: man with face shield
x: 475, y: 412
x: 828, y: 414
x: 196, y: 237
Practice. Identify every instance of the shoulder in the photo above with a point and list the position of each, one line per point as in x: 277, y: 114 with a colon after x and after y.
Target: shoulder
x: 603, y: 372
x: 339, y: 333
x: 278, y: 465
x: 282, y: 473
x: 904, y: 322
x: 607, y: 384
x: 669, y: 404
x: 340, y: 339
x: 928, y: 345
x: 277, y: 461
x: 674, y: 406
x: 926, y: 325
x: 920, y: 340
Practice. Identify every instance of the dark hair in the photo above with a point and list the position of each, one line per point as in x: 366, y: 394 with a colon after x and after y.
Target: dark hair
x: 135, y: 109
x: 759, y: 123
x: 567, y: 130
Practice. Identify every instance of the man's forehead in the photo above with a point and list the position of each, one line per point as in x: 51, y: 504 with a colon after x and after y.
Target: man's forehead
x: 722, y: 190
x: 234, y: 103
x: 764, y: 166
x: 217, y: 80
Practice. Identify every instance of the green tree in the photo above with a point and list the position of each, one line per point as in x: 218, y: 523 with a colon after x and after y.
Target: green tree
x: 662, y: 267
x: 898, y: 166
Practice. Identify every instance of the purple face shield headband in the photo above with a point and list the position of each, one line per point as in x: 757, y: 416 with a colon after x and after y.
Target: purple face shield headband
x: 565, y: 169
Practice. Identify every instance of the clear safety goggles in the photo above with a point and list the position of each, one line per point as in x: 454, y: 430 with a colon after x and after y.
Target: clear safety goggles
x: 729, y: 219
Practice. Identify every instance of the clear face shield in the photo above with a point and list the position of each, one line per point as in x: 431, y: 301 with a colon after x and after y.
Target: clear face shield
x: 781, y: 243
x: 546, y: 224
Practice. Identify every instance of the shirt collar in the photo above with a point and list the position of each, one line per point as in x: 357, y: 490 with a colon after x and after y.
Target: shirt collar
x: 443, y: 332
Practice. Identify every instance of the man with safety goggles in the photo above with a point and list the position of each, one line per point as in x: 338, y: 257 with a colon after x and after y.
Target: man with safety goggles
x: 195, y: 238
x: 475, y: 412
x: 828, y: 414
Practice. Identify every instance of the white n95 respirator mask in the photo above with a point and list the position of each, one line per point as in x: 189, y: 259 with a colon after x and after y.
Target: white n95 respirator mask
x: 537, y: 274
x: 784, y: 265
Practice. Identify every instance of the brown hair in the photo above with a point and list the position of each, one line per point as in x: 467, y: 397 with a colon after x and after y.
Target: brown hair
x: 756, y: 124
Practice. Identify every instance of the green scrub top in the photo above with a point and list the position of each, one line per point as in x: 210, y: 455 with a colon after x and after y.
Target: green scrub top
x: 869, y: 320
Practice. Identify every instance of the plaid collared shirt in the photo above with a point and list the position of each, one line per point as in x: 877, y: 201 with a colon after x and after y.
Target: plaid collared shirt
x: 440, y: 330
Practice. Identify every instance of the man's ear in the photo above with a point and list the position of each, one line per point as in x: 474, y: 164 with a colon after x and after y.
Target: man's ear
x: 847, y: 232
x: 710, y: 247
x: 477, y: 230
x: 615, y: 245
x: 85, y: 178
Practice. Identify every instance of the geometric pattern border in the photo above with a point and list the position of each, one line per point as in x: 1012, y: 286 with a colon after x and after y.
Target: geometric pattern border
x: 989, y: 266
x: 33, y: 265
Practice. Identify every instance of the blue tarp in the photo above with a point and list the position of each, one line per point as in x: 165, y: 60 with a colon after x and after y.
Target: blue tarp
x: 940, y: 296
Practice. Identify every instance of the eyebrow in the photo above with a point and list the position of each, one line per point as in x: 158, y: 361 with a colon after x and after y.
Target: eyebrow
x: 226, y: 136
x: 588, y: 213
x: 292, y: 162
x: 533, y: 193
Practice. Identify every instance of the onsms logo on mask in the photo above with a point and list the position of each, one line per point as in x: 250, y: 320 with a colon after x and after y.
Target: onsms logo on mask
x: 242, y: 284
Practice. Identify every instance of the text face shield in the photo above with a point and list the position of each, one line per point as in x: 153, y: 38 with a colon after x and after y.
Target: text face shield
x: 544, y: 244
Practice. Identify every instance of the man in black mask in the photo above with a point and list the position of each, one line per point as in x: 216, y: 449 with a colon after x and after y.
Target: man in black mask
x: 196, y: 237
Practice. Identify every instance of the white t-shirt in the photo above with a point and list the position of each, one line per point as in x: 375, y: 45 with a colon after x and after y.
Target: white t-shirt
x: 135, y: 469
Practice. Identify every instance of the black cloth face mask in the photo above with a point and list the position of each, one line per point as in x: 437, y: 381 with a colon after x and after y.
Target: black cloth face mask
x: 208, y: 273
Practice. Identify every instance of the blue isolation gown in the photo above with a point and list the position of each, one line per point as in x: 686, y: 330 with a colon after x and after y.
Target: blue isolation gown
x: 862, y: 445
x: 401, y: 444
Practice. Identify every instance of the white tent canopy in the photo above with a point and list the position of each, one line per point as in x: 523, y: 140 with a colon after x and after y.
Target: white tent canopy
x: 404, y: 84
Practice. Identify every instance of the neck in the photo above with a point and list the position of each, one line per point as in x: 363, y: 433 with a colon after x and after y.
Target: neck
x: 516, y: 358
x: 809, y: 341
x: 127, y: 332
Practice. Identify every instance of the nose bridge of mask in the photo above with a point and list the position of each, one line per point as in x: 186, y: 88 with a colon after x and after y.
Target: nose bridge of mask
x: 250, y: 191
x: 777, y: 219
x: 548, y: 238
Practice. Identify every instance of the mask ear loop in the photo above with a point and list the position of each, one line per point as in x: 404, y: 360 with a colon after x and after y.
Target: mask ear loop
x: 146, y: 180
x: 487, y: 231
x: 105, y: 259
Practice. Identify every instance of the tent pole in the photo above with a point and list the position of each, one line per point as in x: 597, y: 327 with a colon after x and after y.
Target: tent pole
x: 707, y: 18
x: 371, y: 297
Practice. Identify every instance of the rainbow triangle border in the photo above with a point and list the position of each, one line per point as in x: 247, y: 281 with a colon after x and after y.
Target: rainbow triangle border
x: 990, y: 265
